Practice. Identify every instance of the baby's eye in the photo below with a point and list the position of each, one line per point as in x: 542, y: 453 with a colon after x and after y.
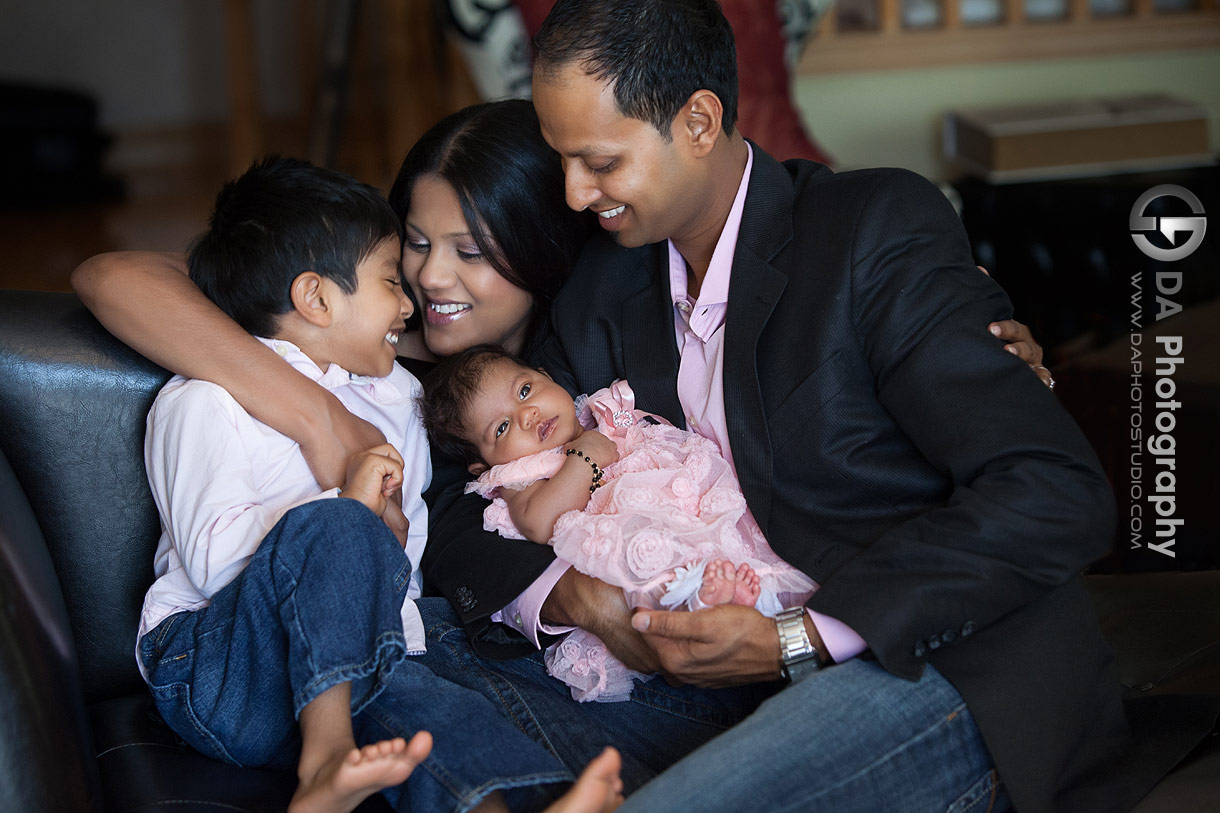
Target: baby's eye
x: 525, y: 391
x: 394, y: 281
x: 502, y: 428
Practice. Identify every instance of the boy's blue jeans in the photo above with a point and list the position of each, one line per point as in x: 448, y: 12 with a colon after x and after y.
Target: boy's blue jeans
x: 319, y: 605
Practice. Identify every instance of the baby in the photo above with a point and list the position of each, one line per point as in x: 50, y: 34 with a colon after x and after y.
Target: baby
x: 620, y: 494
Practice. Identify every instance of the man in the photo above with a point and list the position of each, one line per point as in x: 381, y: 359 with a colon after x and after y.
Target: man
x: 827, y: 336
x: 826, y: 330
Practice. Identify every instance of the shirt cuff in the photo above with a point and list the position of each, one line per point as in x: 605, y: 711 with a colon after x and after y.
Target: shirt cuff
x: 841, y: 641
x: 524, y: 612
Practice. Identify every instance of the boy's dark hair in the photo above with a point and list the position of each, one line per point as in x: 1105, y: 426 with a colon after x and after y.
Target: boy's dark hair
x: 281, y: 218
x: 449, y: 390
x: 655, y: 52
x: 510, y: 185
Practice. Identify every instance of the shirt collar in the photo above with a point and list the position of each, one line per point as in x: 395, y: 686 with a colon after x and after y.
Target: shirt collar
x: 334, y: 377
x: 715, y: 288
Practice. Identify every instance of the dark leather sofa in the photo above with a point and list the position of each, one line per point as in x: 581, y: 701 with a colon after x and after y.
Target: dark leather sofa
x: 78, y: 731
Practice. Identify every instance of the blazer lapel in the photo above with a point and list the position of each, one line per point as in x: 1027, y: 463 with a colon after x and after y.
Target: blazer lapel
x: 755, y: 287
x: 650, y: 350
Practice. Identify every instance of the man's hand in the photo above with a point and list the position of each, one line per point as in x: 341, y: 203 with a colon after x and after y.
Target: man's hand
x: 337, y: 437
x: 582, y: 601
x: 726, y: 645
x: 372, y: 476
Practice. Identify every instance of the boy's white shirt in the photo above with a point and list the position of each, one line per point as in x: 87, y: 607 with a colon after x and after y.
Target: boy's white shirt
x: 221, y: 480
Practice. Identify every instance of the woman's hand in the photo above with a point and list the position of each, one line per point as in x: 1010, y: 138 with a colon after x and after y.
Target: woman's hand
x: 395, y: 519
x: 1021, y: 343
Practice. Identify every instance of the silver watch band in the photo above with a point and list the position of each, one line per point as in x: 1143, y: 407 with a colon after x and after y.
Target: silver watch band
x: 798, y: 656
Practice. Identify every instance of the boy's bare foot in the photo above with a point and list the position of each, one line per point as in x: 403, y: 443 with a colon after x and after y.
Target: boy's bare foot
x: 722, y: 584
x: 341, y: 783
x: 598, y: 790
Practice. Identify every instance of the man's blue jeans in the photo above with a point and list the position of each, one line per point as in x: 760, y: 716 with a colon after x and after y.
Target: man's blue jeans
x: 318, y: 605
x: 849, y: 738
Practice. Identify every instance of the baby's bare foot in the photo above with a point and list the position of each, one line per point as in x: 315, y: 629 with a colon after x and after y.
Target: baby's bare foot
x: 342, y: 783
x: 746, y: 587
x: 719, y: 583
x: 722, y: 584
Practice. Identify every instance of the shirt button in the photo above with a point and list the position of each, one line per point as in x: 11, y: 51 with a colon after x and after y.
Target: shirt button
x: 281, y: 349
x: 967, y: 628
x: 933, y: 643
x: 948, y: 636
x: 691, y: 422
x: 920, y: 650
x: 517, y: 619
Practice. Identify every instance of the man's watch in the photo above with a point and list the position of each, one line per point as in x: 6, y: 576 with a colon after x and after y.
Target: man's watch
x: 799, y: 657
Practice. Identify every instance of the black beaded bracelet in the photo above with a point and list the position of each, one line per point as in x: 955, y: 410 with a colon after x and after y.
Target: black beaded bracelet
x: 597, y: 470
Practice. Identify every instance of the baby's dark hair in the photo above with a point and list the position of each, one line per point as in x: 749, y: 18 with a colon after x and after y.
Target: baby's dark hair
x: 450, y: 389
x: 281, y: 218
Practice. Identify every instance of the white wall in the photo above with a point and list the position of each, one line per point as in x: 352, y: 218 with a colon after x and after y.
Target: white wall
x: 892, y: 118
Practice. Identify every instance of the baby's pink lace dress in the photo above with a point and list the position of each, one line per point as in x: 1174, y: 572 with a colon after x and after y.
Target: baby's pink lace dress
x: 667, y: 507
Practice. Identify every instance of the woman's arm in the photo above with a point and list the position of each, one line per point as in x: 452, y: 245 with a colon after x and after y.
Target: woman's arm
x: 147, y: 300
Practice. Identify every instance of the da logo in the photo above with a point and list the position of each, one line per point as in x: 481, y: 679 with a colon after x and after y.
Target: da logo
x: 1196, y: 226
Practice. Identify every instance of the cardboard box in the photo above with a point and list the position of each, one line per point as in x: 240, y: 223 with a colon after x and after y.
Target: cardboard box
x: 1074, y: 138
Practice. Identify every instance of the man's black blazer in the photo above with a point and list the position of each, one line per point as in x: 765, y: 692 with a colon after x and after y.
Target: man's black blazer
x: 886, y: 445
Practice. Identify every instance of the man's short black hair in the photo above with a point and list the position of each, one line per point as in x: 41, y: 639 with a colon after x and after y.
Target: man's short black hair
x: 281, y: 218
x: 655, y: 52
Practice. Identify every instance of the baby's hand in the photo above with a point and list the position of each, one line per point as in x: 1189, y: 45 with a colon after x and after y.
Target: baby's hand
x: 597, y: 446
x: 372, y: 476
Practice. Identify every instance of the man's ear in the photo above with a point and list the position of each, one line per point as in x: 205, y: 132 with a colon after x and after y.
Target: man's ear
x: 476, y: 468
x: 311, y: 298
x: 699, y: 121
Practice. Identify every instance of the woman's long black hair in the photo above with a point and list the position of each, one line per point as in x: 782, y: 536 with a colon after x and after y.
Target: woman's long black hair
x: 510, y: 186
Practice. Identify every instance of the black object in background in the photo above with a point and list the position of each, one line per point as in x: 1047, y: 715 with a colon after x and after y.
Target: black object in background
x: 51, y: 148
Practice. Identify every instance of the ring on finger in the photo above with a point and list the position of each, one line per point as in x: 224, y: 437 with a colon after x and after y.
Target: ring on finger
x: 1050, y: 380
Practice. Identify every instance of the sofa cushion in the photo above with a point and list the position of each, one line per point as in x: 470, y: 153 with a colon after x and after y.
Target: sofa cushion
x: 45, y: 755
x: 72, y: 421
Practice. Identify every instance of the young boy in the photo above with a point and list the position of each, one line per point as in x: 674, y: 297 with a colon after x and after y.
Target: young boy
x: 272, y: 602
